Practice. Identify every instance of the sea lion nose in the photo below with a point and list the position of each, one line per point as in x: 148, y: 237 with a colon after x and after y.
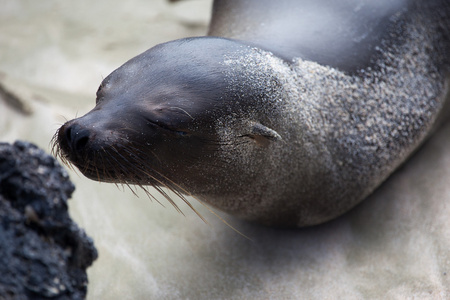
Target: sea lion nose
x: 76, y: 137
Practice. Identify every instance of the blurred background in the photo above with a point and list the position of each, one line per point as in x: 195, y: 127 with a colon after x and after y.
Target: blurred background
x: 53, y: 56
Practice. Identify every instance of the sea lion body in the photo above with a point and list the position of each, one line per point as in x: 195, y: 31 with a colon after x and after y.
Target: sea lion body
x: 285, y: 132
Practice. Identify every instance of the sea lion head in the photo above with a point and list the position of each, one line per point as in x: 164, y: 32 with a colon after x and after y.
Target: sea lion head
x: 179, y: 115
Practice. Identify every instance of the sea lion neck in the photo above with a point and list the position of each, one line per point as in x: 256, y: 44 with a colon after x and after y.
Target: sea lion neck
x: 340, y: 34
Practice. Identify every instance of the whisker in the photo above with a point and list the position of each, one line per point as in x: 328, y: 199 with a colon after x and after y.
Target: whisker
x: 113, y: 164
x: 183, y: 111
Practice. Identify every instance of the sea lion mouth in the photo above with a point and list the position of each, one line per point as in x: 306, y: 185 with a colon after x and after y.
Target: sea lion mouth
x: 110, y: 174
x: 123, y: 164
x: 113, y: 160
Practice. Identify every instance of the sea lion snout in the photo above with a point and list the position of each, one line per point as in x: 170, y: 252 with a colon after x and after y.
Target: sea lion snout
x: 74, y: 136
x: 79, y: 139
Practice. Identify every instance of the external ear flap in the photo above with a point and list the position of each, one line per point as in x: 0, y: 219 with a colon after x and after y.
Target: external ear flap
x: 263, y: 135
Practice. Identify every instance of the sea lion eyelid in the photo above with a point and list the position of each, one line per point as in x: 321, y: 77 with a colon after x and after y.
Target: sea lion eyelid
x: 182, y: 133
x: 166, y: 127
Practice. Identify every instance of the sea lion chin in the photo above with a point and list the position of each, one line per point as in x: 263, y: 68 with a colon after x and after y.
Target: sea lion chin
x: 269, y: 136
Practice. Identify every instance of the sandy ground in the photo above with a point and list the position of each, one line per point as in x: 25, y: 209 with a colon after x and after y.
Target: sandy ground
x: 394, y: 245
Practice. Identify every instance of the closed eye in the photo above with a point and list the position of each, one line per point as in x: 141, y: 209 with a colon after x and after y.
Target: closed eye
x: 165, y: 127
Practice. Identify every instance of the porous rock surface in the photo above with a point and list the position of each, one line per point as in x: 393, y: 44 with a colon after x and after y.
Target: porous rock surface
x: 43, y: 253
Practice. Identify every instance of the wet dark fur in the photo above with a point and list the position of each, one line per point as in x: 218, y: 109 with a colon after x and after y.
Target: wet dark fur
x: 168, y: 141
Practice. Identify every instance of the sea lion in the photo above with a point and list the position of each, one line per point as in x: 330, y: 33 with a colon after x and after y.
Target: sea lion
x: 288, y: 114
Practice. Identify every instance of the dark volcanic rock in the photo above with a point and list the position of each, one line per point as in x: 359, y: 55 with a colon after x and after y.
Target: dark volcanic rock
x: 43, y: 253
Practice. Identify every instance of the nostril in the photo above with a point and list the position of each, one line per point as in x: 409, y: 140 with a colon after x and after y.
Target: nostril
x: 81, y: 143
x: 77, y: 137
